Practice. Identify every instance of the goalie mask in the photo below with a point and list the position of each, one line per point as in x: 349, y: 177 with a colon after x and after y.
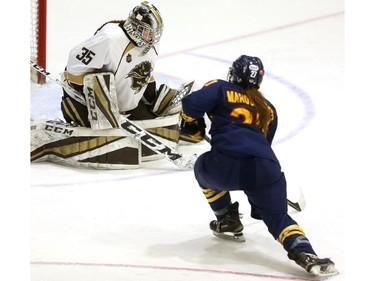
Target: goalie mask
x: 144, y: 25
x: 246, y: 71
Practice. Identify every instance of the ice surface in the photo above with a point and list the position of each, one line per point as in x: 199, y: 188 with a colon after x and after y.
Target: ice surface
x: 152, y: 223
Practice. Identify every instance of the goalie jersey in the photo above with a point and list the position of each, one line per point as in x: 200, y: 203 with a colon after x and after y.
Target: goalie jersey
x: 111, y: 50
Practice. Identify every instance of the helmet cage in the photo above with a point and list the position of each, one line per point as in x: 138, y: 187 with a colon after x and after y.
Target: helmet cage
x: 144, y: 25
x: 147, y: 33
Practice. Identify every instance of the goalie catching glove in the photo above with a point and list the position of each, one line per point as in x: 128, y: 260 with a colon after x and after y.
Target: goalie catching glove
x: 192, y: 129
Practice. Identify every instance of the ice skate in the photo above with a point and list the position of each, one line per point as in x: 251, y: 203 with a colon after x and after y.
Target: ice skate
x: 230, y: 227
x: 312, y: 264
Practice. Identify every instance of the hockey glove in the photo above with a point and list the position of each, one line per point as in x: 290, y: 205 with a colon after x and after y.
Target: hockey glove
x: 192, y: 131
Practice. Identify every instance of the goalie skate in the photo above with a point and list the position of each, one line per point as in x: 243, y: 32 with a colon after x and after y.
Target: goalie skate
x: 175, y: 103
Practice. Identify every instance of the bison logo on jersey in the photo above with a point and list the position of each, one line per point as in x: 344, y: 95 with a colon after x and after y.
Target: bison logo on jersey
x: 140, y: 75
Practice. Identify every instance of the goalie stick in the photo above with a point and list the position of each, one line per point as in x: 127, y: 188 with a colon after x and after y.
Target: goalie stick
x: 71, y: 92
x: 298, y: 206
x: 133, y: 130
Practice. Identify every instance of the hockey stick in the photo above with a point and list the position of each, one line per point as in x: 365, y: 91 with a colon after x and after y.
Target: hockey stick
x: 132, y: 129
x: 298, y: 206
x: 71, y: 92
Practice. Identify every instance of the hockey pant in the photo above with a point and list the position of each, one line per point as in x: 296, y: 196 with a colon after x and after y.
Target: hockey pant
x: 264, y: 184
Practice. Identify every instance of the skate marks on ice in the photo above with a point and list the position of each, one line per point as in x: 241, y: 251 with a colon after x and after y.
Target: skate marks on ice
x: 202, y: 258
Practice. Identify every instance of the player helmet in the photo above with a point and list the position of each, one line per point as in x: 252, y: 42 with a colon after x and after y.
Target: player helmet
x: 246, y: 71
x: 144, y: 25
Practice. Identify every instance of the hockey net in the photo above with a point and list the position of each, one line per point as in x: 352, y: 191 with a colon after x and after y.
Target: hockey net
x: 38, y: 36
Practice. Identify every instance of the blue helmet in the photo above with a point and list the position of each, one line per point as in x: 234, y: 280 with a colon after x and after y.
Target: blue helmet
x: 246, y: 71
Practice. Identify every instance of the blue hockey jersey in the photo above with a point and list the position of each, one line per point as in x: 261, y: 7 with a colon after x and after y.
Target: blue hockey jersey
x: 233, y: 115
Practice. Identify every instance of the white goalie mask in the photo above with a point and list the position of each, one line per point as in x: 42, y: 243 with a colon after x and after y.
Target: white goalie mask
x: 144, y: 25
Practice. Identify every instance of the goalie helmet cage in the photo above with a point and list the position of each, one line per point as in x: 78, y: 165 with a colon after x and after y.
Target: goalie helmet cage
x: 38, y: 38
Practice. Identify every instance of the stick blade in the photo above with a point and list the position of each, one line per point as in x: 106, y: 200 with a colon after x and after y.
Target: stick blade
x: 294, y: 205
x: 300, y: 205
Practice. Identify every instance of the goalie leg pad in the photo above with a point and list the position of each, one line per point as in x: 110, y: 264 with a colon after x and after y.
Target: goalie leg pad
x: 166, y: 129
x: 62, y: 143
x: 100, y: 94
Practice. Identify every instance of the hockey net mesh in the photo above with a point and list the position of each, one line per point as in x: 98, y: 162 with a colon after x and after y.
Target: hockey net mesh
x: 37, y: 38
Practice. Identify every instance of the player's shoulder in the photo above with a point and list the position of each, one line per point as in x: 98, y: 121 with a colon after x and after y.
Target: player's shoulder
x: 221, y: 85
x: 109, y: 26
x: 111, y: 30
x: 216, y: 83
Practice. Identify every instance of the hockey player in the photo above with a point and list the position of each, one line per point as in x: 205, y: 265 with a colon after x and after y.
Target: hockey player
x: 127, y: 49
x: 112, y: 71
x: 241, y: 158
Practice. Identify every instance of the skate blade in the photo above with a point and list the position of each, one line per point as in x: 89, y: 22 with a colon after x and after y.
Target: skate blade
x: 324, y: 270
x: 232, y: 236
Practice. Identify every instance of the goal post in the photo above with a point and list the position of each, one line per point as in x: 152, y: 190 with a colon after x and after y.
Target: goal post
x: 38, y: 38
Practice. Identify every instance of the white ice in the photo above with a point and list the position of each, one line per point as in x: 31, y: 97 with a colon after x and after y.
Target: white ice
x: 152, y: 223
